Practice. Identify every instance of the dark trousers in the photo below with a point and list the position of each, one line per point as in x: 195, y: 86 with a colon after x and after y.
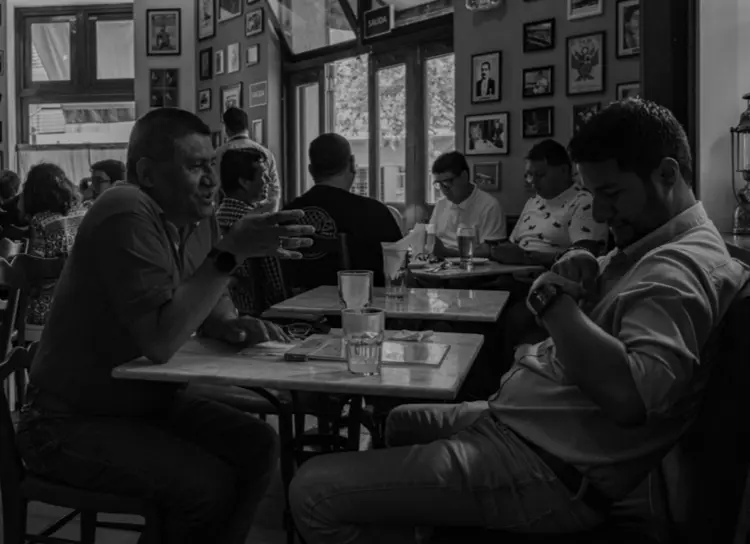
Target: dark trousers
x: 200, y: 461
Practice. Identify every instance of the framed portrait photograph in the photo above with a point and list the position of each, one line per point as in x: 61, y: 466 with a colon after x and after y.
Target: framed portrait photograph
x: 206, y: 19
x: 630, y: 89
x: 539, y: 36
x: 538, y: 122
x: 233, y: 58
x: 486, y: 74
x: 486, y: 175
x: 256, y: 131
x: 539, y: 81
x: 163, y: 90
x: 218, y: 62
x: 580, y: 9
x: 204, y: 100
x: 205, y: 61
x: 231, y: 97
x: 628, y: 28
x: 163, y: 32
x: 252, y: 55
x: 584, y: 63
x: 229, y: 9
x: 254, y: 22
x: 583, y: 112
x: 258, y: 94
x: 487, y: 134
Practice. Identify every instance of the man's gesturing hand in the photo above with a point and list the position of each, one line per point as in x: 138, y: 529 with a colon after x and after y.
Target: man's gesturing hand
x: 267, y: 235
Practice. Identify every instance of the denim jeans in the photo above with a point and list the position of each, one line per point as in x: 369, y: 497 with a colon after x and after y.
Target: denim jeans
x: 203, y: 463
x: 446, y: 465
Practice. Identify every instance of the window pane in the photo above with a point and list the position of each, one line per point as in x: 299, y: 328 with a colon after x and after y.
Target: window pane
x: 311, y: 24
x: 114, y: 50
x: 308, y: 128
x: 392, y: 93
x: 50, y: 51
x: 441, y: 108
x: 413, y: 11
x: 350, y: 115
x: 80, y: 123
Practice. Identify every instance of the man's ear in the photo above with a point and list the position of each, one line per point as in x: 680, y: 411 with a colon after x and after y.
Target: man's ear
x: 144, y: 169
x: 352, y: 164
x: 668, y: 172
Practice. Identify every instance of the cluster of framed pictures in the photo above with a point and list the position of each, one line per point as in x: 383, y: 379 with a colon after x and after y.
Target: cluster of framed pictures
x: 164, y: 88
x: 212, y: 11
x: 231, y: 96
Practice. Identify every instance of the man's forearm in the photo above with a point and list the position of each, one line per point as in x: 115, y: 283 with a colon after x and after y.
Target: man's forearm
x: 223, y: 311
x: 595, y: 361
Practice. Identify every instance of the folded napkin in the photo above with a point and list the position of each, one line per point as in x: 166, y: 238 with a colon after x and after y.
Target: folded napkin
x: 411, y: 336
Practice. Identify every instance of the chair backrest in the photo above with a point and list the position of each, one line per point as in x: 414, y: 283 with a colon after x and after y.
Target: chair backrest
x: 338, y: 245
x: 301, y: 275
x: 33, y: 272
x: 397, y: 216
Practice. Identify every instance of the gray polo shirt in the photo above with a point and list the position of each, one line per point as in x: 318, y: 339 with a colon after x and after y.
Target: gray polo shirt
x: 127, y: 261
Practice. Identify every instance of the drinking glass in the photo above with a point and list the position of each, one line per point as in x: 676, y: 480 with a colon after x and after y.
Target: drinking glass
x: 466, y: 243
x: 364, y: 331
x: 355, y: 289
x: 429, y: 243
x: 395, y: 267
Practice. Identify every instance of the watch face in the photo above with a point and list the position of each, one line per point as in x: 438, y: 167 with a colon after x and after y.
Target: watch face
x: 541, y: 298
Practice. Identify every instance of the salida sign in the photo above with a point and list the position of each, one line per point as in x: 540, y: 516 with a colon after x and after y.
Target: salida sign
x: 378, y: 21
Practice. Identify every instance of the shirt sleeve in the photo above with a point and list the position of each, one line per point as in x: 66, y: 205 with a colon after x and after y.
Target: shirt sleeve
x: 135, y: 264
x: 493, y: 223
x: 513, y: 238
x: 582, y: 226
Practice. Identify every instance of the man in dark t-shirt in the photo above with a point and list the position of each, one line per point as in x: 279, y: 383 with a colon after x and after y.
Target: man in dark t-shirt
x: 333, y: 209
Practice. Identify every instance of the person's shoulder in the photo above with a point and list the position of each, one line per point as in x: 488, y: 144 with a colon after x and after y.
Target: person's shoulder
x: 487, y: 200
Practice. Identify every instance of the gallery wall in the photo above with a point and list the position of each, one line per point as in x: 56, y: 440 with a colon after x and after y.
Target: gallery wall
x: 502, y: 30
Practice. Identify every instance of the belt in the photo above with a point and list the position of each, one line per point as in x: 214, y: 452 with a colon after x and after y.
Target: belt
x: 572, y: 478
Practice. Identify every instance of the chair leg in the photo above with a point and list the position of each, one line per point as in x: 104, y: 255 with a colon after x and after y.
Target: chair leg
x: 14, y: 521
x: 88, y: 527
x: 286, y: 438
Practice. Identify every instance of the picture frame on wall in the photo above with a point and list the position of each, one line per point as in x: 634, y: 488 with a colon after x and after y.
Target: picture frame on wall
x: 628, y: 28
x: 582, y: 9
x: 229, y: 9
x: 163, y: 32
x: 486, y: 175
x: 164, y: 88
x: 583, y: 112
x: 487, y: 134
x: 256, y: 131
x: 252, y: 55
x: 233, y: 58
x: 231, y: 96
x: 585, y: 63
x: 538, y: 122
x: 486, y: 77
x: 538, y: 81
x: 257, y: 94
x: 254, y: 22
x: 218, y: 62
x: 539, y: 36
x: 204, y: 100
x: 206, y: 19
x: 205, y: 63
x: 631, y: 89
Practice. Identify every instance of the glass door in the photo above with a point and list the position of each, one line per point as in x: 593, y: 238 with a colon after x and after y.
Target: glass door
x: 306, y: 123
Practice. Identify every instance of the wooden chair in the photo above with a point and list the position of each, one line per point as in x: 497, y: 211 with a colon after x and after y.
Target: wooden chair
x: 398, y: 217
x: 297, y: 273
x: 19, y: 487
x: 702, y: 480
x: 33, y: 273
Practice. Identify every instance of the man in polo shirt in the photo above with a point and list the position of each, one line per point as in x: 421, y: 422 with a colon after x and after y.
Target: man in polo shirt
x: 558, y: 217
x: 464, y: 204
x: 147, y: 270
x: 580, y: 419
x: 237, y: 128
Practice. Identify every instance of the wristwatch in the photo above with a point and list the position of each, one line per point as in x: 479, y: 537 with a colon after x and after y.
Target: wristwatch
x: 542, y: 298
x: 224, y: 261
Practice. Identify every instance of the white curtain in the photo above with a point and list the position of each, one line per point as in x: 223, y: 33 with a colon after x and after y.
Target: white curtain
x: 75, y: 161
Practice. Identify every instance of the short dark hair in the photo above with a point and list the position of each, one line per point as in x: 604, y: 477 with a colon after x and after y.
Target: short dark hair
x: 551, y: 152
x: 329, y: 155
x: 235, y: 120
x: 10, y: 183
x: 637, y: 134
x: 243, y: 163
x: 48, y: 189
x: 112, y: 167
x: 154, y: 136
x: 453, y: 162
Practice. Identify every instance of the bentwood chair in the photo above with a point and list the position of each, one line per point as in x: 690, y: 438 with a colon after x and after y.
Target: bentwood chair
x: 19, y: 487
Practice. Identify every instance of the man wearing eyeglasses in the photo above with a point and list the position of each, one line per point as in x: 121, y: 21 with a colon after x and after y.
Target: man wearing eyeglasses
x: 464, y: 204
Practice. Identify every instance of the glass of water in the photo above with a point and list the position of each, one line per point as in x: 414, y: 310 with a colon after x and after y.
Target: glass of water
x: 429, y: 243
x: 466, y: 243
x: 364, y: 331
x: 395, y: 267
x: 355, y: 289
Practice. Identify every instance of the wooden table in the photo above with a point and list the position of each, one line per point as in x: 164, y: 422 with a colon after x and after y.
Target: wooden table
x: 206, y: 361
x: 487, y: 270
x: 429, y: 304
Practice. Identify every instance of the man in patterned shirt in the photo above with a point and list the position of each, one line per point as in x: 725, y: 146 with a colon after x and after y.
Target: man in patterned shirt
x: 258, y: 282
x: 558, y: 217
x: 236, y: 126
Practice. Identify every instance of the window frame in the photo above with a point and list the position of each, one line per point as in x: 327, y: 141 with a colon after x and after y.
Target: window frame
x: 83, y: 85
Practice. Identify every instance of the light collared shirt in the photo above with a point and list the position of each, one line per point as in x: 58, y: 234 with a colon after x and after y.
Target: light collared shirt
x: 664, y: 296
x: 553, y: 225
x: 480, y: 211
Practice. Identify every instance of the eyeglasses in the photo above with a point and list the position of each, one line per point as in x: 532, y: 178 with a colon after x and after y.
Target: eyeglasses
x: 444, y: 183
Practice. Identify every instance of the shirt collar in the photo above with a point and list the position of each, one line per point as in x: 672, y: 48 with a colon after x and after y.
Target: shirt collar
x: 464, y: 205
x: 244, y: 135
x: 566, y: 195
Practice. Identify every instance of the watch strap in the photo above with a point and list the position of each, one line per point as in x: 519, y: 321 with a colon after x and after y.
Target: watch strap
x: 540, y: 299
